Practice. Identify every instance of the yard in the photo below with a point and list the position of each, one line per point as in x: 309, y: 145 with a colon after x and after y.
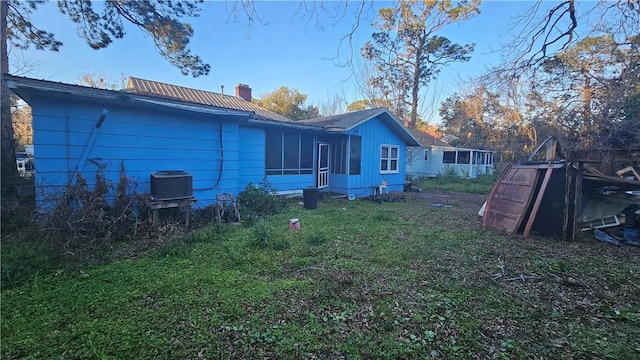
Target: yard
x: 403, y: 279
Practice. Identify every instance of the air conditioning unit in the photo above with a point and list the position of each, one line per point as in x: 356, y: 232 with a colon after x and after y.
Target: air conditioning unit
x: 171, y: 184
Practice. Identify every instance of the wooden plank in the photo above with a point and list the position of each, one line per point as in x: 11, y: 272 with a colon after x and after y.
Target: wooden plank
x: 626, y: 170
x: 536, y: 204
x: 577, y: 209
x: 567, y: 224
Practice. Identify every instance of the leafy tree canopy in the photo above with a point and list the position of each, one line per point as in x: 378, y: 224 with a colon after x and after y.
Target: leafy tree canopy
x: 160, y: 19
x: 289, y: 103
x: 408, y: 53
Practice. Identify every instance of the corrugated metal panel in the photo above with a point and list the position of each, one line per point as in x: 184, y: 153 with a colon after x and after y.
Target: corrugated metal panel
x: 510, y: 198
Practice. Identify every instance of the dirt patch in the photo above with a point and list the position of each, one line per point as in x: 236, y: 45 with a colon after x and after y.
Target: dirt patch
x: 460, y: 209
x: 450, y: 198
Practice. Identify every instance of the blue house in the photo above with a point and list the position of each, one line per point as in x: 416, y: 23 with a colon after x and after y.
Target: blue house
x: 224, y: 142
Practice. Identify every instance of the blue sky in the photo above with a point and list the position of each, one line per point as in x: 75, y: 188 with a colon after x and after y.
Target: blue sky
x: 284, y: 49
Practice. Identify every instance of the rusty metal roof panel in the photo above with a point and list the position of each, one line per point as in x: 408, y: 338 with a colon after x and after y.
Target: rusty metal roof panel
x: 510, y: 198
x: 149, y: 87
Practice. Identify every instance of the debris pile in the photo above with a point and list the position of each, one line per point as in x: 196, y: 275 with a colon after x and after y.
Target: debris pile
x: 552, y: 195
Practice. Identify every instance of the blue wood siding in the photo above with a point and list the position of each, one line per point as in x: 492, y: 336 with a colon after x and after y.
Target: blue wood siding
x: 251, y: 156
x: 374, y: 134
x: 252, y: 164
x: 221, y: 155
x: 145, y: 141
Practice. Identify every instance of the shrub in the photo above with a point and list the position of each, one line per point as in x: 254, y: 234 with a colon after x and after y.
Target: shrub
x: 265, y: 236
x: 83, y: 222
x: 260, y: 200
x: 450, y: 173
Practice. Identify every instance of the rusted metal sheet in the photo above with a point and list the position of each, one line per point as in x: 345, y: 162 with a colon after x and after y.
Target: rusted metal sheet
x: 510, y: 198
x: 574, y: 195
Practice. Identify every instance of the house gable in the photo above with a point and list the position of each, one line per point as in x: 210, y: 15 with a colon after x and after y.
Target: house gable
x: 351, y: 120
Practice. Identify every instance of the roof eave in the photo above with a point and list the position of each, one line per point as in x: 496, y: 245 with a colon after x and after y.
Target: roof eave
x: 257, y: 120
x: 43, y: 86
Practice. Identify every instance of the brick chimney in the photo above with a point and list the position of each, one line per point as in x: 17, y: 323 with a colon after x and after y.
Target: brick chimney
x: 243, y: 91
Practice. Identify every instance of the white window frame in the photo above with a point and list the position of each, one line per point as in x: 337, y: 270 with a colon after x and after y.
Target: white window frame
x: 389, y: 159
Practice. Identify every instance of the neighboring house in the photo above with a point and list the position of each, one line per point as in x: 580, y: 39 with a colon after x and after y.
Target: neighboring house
x: 435, y: 157
x: 225, y: 142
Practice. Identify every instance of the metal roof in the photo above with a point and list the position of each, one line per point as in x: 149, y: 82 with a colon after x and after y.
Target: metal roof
x: 153, y: 94
x: 154, y: 88
x: 26, y: 87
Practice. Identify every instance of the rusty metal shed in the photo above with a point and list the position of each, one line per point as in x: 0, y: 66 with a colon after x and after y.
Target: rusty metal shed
x: 552, y: 195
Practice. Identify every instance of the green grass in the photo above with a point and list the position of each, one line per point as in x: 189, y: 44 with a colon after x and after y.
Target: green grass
x: 480, y: 185
x: 359, y: 280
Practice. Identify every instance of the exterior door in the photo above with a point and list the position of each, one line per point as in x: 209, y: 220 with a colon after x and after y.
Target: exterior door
x: 322, y: 166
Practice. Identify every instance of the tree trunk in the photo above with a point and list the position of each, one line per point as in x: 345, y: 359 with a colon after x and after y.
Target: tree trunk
x: 415, y: 88
x: 8, y: 169
x: 587, y: 92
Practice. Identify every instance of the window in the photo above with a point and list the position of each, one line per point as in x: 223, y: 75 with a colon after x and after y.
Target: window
x: 426, y: 155
x: 339, y: 156
x: 463, y: 157
x: 288, y: 153
x: 291, y: 153
x: 449, y: 157
x: 354, y: 155
x: 346, y: 150
x: 460, y: 157
x: 273, y: 153
x: 389, y: 159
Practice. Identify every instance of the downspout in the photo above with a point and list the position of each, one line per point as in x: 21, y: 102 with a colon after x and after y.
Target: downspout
x: 88, y: 147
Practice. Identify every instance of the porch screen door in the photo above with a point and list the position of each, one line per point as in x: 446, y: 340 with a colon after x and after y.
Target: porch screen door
x: 322, y: 166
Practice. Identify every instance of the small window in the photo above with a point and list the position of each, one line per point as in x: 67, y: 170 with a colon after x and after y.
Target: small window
x: 291, y: 153
x: 463, y: 157
x: 274, y: 153
x: 355, y: 155
x: 339, y: 156
x: 426, y: 155
x: 389, y: 159
x: 449, y: 157
x: 306, y: 154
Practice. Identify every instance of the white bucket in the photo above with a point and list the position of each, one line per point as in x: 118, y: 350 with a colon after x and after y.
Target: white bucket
x: 294, y: 224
